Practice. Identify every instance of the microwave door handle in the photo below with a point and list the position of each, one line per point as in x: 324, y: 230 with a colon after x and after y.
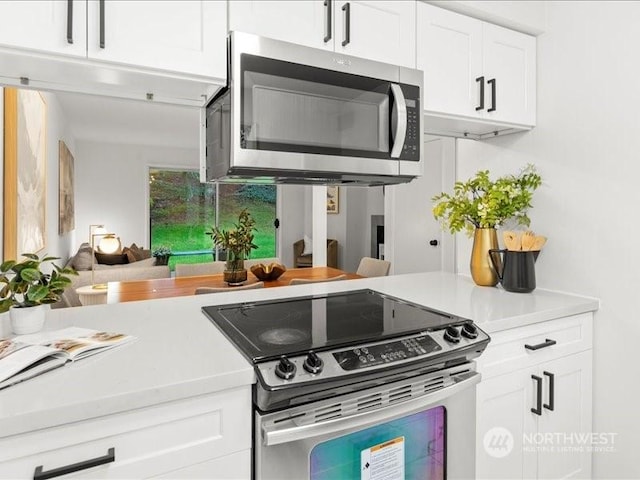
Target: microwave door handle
x: 273, y: 436
x: 400, y: 110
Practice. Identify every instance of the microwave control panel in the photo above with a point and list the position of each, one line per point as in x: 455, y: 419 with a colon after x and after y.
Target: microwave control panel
x: 411, y: 148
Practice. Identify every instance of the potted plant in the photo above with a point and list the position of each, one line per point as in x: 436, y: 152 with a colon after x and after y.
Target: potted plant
x: 161, y: 254
x: 237, y: 242
x: 481, y: 205
x: 26, y: 291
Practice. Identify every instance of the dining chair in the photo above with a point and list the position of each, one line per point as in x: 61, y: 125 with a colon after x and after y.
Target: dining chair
x: 251, y: 286
x: 372, y: 267
x: 193, y: 269
x: 304, y: 281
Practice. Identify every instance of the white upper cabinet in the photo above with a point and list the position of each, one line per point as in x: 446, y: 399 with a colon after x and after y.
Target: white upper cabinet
x: 509, y: 60
x: 377, y: 30
x: 481, y: 76
x: 305, y: 22
x: 450, y: 55
x: 180, y: 36
x: 46, y: 25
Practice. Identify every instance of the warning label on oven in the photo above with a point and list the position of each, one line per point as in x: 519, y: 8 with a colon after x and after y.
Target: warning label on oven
x: 384, y: 461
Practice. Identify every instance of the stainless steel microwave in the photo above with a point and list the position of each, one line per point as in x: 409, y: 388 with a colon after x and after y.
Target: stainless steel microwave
x: 294, y: 114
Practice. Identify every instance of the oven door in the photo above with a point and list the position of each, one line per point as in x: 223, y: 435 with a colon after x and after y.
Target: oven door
x: 420, y: 428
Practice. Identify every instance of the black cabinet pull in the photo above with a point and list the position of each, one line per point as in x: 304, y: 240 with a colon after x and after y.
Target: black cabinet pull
x: 538, y: 408
x: 547, y: 343
x: 481, y: 80
x: 552, y: 381
x: 39, y: 474
x: 346, y: 8
x: 327, y: 25
x: 70, y: 21
x: 492, y: 82
x: 101, y: 23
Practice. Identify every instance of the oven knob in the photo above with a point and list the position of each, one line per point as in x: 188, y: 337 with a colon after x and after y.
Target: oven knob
x: 285, y: 369
x: 313, y: 363
x: 451, y: 334
x: 469, y: 330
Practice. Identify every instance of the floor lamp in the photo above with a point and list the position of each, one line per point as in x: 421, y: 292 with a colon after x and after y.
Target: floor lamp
x: 109, y: 243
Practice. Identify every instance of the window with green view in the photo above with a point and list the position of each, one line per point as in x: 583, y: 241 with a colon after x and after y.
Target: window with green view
x: 182, y: 210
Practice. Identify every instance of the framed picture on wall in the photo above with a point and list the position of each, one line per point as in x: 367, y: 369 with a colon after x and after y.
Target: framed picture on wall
x: 333, y: 200
x: 66, y: 204
x: 25, y: 163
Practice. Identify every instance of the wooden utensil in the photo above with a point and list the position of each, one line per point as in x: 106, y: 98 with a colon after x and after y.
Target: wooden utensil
x: 511, y: 240
x: 528, y: 240
x: 538, y: 243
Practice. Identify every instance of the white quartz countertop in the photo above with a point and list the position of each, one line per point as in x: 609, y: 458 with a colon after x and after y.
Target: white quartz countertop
x: 179, y: 353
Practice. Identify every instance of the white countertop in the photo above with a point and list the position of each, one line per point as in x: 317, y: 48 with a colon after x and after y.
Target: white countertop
x: 179, y: 353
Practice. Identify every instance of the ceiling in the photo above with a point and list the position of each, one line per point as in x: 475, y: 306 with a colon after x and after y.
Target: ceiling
x: 113, y: 120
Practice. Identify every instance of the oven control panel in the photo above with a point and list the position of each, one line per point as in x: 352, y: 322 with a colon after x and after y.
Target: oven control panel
x: 363, y: 357
x: 343, y: 362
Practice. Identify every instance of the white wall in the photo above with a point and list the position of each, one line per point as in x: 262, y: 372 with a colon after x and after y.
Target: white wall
x: 112, y: 188
x: 57, y: 129
x: 292, y: 212
x: 586, y: 147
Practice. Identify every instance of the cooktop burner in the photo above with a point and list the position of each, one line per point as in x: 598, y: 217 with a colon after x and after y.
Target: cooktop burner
x: 266, y: 330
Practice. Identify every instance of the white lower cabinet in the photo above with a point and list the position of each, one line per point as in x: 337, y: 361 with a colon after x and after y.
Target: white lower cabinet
x: 535, y: 418
x: 208, y: 436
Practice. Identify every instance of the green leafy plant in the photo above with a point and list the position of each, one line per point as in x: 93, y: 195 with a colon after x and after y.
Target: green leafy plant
x: 482, y: 203
x: 237, y: 241
x: 24, y: 284
x: 161, y: 251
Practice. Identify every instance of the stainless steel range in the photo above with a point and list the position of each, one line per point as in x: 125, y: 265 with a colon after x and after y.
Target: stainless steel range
x: 358, y: 385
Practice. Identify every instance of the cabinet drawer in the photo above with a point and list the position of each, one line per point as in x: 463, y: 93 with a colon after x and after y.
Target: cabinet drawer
x: 146, y: 442
x: 507, y: 351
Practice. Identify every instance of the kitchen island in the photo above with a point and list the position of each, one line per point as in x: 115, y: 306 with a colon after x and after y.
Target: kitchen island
x: 180, y: 364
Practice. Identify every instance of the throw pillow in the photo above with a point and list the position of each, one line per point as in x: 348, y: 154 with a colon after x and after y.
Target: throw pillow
x: 112, y: 258
x: 308, y: 246
x: 83, y: 259
x: 131, y: 256
x: 139, y: 253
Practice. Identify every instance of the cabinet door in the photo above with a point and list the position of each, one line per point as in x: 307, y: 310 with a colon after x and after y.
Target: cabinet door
x: 450, y: 54
x: 306, y: 22
x: 45, y: 25
x: 378, y: 30
x: 565, y: 456
x: 503, y: 418
x: 185, y: 36
x: 509, y: 58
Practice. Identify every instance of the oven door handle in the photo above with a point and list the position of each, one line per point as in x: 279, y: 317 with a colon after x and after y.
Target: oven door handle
x: 273, y: 436
x: 400, y: 111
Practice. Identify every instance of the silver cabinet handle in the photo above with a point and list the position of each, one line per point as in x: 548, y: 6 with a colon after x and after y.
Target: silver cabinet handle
x: 400, y: 111
x: 364, y: 419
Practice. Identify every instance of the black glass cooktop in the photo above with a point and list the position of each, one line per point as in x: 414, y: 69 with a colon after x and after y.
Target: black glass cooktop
x: 266, y: 330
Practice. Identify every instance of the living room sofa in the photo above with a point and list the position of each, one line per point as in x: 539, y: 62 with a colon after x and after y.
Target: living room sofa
x: 145, y: 269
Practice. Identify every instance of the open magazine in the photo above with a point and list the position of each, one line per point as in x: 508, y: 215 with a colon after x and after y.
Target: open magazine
x: 26, y: 356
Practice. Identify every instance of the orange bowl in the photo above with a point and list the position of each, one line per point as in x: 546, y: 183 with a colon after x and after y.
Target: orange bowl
x: 268, y: 272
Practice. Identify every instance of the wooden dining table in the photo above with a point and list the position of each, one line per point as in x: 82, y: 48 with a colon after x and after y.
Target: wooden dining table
x: 118, y: 292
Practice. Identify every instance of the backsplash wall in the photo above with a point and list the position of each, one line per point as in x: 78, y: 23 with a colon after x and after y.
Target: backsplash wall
x: 586, y: 148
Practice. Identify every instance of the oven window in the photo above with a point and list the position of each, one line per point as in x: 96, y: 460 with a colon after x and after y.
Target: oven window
x: 409, y: 447
x: 289, y: 107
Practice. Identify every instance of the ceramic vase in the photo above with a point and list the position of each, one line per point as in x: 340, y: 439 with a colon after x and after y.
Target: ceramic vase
x: 482, y: 271
x: 234, y: 272
x: 26, y: 320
